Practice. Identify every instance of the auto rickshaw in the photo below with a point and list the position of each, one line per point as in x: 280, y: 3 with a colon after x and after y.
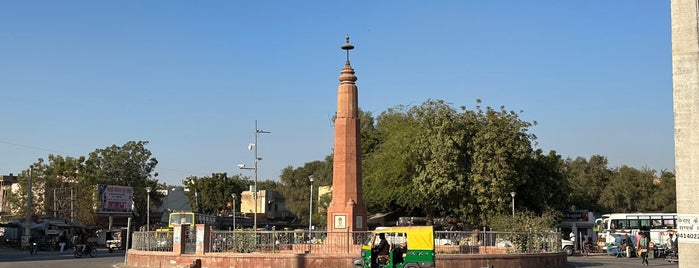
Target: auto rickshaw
x: 113, y: 240
x: 409, y: 247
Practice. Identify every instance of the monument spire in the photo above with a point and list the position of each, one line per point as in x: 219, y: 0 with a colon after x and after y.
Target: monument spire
x: 347, y: 210
x: 347, y: 46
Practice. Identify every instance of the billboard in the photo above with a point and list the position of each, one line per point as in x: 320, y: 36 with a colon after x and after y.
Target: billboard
x: 115, y: 199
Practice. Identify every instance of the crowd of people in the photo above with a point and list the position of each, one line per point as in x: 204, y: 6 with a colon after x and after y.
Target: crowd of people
x: 639, y: 245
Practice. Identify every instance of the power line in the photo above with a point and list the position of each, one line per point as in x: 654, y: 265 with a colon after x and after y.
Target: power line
x: 33, y: 147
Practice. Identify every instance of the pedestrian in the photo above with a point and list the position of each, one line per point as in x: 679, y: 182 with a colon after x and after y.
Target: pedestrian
x: 62, y: 240
x: 642, y: 246
x: 586, y: 245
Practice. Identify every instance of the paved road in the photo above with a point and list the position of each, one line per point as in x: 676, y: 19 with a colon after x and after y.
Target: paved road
x: 608, y: 261
x: 10, y: 257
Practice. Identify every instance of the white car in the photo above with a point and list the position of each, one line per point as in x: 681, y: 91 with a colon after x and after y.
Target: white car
x: 568, y: 247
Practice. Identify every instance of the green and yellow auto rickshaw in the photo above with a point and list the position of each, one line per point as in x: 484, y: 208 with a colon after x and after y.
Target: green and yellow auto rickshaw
x: 408, y: 247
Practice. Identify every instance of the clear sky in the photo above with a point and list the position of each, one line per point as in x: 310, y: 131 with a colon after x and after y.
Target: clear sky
x: 191, y: 77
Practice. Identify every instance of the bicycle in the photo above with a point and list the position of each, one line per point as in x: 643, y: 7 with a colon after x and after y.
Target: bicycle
x: 592, y: 248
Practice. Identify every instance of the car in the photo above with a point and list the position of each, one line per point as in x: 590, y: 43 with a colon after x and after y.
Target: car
x: 568, y: 247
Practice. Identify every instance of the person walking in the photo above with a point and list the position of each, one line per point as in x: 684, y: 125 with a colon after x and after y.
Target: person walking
x: 642, y: 245
x: 62, y: 240
x: 586, y: 245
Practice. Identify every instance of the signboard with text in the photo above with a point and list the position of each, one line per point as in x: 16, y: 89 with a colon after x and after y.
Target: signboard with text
x: 115, y: 199
x: 688, y: 228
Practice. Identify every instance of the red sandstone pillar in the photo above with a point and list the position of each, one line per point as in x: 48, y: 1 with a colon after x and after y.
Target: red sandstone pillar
x: 347, y: 211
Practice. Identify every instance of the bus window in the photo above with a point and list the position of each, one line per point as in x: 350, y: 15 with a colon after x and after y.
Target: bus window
x: 619, y: 224
x: 634, y: 224
x: 669, y: 224
x: 656, y: 224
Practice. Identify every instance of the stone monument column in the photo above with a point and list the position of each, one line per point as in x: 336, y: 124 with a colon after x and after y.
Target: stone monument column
x: 685, y: 80
x: 347, y: 211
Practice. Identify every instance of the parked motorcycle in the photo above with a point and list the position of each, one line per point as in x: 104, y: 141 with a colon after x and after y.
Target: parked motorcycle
x: 89, y: 249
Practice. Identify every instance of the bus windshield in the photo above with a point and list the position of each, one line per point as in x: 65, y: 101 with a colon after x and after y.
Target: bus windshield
x: 181, y: 218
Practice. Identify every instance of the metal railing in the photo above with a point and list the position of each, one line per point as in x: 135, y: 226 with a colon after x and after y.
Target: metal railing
x: 152, y: 241
x: 287, y: 241
x: 320, y: 242
x: 490, y: 242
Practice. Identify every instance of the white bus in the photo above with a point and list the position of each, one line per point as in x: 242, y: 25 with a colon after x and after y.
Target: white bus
x: 611, y: 226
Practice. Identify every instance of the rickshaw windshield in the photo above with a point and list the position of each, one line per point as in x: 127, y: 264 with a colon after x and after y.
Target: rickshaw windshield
x: 368, y: 241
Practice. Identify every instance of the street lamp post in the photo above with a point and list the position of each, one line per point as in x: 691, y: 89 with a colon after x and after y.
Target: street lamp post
x: 257, y: 159
x: 148, y: 209
x: 513, y: 203
x: 310, y: 211
x: 234, y: 197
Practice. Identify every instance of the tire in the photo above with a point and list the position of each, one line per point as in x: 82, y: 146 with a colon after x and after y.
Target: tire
x: 77, y: 254
x: 93, y: 252
x: 568, y: 250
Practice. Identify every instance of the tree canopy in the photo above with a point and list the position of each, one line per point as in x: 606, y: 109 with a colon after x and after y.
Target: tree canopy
x: 431, y: 160
x: 62, y: 179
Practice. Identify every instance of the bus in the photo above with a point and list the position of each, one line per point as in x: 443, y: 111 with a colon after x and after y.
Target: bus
x: 612, y: 228
x: 190, y: 218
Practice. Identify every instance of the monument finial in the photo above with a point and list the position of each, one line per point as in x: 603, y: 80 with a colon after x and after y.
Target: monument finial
x: 347, y: 46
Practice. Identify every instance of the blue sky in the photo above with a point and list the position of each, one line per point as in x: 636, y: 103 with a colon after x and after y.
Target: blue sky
x: 192, y: 77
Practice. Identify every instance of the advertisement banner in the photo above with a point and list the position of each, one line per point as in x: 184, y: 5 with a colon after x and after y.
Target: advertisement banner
x: 115, y: 199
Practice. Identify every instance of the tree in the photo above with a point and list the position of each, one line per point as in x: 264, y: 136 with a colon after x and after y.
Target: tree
x: 443, y: 162
x: 442, y: 157
x: 388, y: 170
x: 544, y: 186
x: 211, y: 194
x: 295, y: 186
x: 499, y: 151
x: 128, y: 165
x: 629, y: 190
x: 665, y: 197
x: 69, y: 184
x: 587, y: 179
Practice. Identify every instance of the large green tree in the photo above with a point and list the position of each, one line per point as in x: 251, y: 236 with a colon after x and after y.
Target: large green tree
x: 629, y: 190
x: 436, y: 160
x: 587, y: 179
x: 295, y: 186
x: 212, y: 194
x: 131, y: 164
x: 389, y: 169
x: 53, y: 181
x: 65, y: 182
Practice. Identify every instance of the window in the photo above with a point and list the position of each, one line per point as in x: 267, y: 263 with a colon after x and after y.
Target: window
x: 669, y: 224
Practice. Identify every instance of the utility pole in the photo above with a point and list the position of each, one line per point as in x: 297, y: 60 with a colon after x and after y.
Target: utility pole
x: 54, y: 202
x: 71, y: 204
x: 28, y: 217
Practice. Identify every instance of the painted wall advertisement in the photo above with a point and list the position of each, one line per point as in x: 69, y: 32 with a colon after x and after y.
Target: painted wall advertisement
x: 115, y: 199
x: 688, y: 228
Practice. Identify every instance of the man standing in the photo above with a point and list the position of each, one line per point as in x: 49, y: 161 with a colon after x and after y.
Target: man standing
x: 62, y: 240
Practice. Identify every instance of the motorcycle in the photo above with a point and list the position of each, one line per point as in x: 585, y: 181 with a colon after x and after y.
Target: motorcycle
x: 88, y: 249
x: 33, y: 248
